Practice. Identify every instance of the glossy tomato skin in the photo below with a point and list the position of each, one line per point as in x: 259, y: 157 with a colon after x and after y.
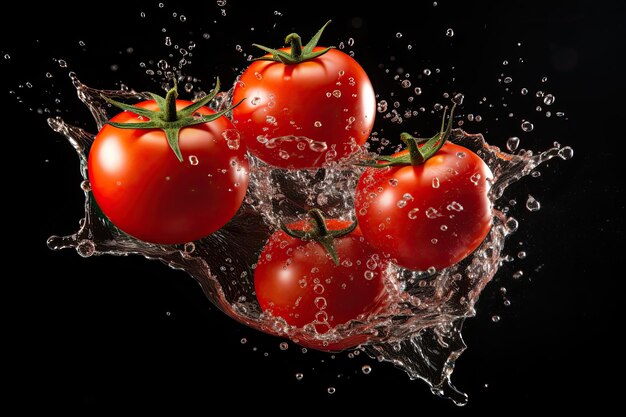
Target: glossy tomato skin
x: 145, y: 191
x: 434, y: 214
x: 296, y: 116
x: 298, y: 281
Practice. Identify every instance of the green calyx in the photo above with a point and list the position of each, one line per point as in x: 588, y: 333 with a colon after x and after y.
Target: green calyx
x: 167, y: 118
x: 319, y: 232
x: 417, y: 154
x: 298, y: 52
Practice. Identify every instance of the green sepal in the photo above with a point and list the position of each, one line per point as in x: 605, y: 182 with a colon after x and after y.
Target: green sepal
x: 417, y: 154
x: 167, y: 118
x: 298, y: 52
x: 320, y: 233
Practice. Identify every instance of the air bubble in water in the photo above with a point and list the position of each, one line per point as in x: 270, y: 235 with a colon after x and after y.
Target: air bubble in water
x: 182, y: 18
x: 331, y: 390
x: 382, y: 106
x: 193, y: 160
x: 85, y: 186
x: 508, y: 80
x: 435, y: 182
x: 284, y: 346
x: 512, y: 143
x: 413, y: 213
x: 426, y: 71
x: 549, y: 99
x: 458, y: 99
x: 85, y: 248
x: 299, y: 376
x: 405, y: 83
x: 532, y: 204
x: 449, y: 33
x: 495, y: 319
x: 62, y: 63
x: 398, y: 35
x: 366, y: 369
x: 243, y: 340
x: 417, y: 91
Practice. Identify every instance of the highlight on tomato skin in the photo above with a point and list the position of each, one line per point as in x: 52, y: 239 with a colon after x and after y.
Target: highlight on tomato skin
x: 299, y: 281
x: 318, y: 108
x: 146, y: 191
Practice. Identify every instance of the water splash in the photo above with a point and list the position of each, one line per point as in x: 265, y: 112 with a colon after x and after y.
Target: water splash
x: 419, y: 333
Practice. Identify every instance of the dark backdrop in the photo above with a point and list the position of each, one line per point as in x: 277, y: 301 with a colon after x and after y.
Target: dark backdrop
x: 109, y: 333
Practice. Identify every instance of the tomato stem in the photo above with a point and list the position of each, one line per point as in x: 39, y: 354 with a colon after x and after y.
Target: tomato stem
x: 298, y: 53
x: 319, y: 232
x: 167, y: 118
x: 420, y: 149
x: 295, y: 41
x: 169, y: 112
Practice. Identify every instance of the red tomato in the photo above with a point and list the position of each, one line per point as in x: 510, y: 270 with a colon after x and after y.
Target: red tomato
x: 432, y: 214
x: 299, y: 281
x: 143, y: 188
x: 304, y: 114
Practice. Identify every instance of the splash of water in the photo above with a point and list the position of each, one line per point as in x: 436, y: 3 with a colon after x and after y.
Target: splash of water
x: 420, y: 333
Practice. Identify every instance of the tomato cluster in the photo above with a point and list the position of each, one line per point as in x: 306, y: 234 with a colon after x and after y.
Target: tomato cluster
x: 170, y: 171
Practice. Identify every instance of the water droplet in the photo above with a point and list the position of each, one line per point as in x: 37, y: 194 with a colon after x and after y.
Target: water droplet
x: 398, y: 35
x: 232, y: 138
x: 168, y: 41
x: 337, y: 93
x: 549, y: 99
x: 405, y: 83
x: 193, y: 160
x: 433, y: 241
x: 182, y: 18
x: 189, y: 247
x: 351, y: 42
x: 524, y: 91
x: 432, y: 213
x: 401, y: 203
x: 495, y: 319
x: 417, y: 91
x: 435, y: 182
x: 162, y: 65
x: 511, y: 224
x: 284, y: 346
x: 270, y: 119
x: 527, y: 126
x: 331, y: 390
x: 461, y: 155
x: 62, y: 63
x: 283, y: 154
x: 142, y: 14
x: 85, y: 186
x: 458, y: 99
x: 512, y: 143
x: 449, y: 33
x: 413, y: 213
x: 443, y: 228
x: 532, y: 204
x: 508, y: 80
x: 161, y: 5
x: 299, y: 376
x: 369, y: 275
x: 382, y: 106
x: 566, y: 153
x: 366, y: 369
x: 454, y: 206
x: 317, y: 124
x: 474, y: 178
x: 393, y: 182
x: 426, y: 72
x: 7, y: 56
x: 521, y: 255
x: 86, y: 248
x: 243, y: 340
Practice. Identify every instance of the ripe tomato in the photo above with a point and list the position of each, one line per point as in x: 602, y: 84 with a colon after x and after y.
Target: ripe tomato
x: 431, y: 214
x: 146, y: 191
x: 300, y: 281
x: 305, y: 108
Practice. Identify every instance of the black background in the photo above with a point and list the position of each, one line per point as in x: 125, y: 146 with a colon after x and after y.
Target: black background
x: 94, y: 334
